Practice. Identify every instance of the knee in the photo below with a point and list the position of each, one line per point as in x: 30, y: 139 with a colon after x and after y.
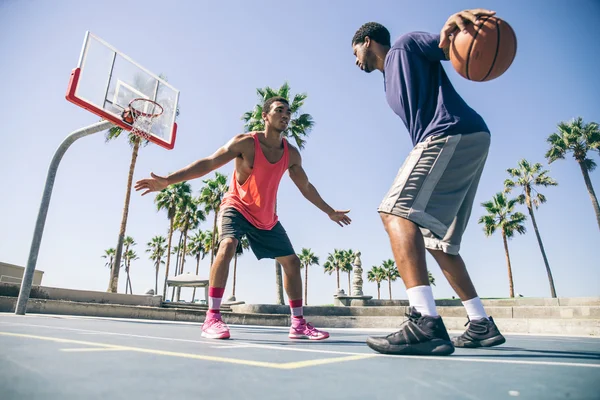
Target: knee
x: 227, y: 247
x: 292, y: 264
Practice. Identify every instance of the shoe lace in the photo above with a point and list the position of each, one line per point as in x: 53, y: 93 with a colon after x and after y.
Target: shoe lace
x: 311, y: 330
x: 217, y: 323
x: 410, y: 318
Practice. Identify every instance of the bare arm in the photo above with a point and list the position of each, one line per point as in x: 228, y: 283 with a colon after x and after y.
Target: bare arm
x: 197, y: 169
x: 300, y: 179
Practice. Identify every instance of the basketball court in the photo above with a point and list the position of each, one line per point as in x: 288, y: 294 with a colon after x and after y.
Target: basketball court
x: 64, y: 357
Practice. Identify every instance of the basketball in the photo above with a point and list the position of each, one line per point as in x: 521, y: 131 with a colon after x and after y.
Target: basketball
x: 485, y: 51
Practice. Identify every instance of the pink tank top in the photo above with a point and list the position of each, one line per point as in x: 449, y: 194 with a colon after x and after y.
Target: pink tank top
x: 255, y: 199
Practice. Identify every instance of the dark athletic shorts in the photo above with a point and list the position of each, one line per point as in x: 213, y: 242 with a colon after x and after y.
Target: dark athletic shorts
x: 264, y: 243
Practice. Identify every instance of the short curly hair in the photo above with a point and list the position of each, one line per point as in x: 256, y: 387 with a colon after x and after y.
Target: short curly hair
x: 269, y: 102
x: 374, y: 31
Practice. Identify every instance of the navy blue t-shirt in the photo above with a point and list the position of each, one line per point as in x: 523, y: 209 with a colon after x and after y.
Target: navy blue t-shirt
x: 419, y: 91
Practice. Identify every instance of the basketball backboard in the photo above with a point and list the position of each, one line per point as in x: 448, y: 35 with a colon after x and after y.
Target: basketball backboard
x: 106, y: 80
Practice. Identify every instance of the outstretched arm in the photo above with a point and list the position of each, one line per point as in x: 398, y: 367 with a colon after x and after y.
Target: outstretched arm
x: 300, y: 179
x: 197, y: 169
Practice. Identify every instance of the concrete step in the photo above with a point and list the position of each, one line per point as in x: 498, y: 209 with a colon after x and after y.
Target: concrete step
x: 84, y: 296
x: 193, y: 306
x: 588, y: 327
x: 566, y: 312
x: 573, y: 326
x: 516, y: 302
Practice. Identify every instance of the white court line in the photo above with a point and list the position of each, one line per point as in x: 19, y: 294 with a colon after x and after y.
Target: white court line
x: 281, y: 348
x: 232, y: 346
x: 523, y: 336
x: 538, y: 337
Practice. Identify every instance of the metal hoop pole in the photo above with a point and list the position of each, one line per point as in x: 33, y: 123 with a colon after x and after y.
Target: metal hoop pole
x: 43, y: 211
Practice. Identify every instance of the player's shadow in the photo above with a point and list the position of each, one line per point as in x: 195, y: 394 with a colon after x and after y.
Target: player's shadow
x: 534, y: 353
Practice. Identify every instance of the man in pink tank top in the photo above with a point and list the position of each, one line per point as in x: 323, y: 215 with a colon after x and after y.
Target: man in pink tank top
x: 249, y: 208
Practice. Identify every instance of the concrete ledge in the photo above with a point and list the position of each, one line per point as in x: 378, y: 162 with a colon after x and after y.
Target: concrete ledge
x: 59, y: 307
x: 84, y: 296
x: 516, y: 302
x: 584, y: 312
x: 573, y: 326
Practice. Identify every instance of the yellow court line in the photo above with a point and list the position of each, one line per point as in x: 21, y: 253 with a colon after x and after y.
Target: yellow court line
x: 322, y: 361
x: 105, y: 346
x: 90, y: 349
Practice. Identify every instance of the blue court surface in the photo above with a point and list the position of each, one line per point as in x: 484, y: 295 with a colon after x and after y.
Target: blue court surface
x: 62, y: 357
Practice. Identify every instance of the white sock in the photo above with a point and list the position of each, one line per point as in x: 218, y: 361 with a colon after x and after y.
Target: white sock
x: 474, y: 308
x: 421, y: 298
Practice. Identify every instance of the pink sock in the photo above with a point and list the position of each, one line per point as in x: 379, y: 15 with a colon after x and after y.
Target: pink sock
x: 215, y: 295
x: 296, y: 308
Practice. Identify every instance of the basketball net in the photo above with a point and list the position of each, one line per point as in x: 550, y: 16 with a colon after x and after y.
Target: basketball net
x: 144, y: 113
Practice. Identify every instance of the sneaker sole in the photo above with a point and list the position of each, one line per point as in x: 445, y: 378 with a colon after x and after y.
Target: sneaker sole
x: 307, y: 337
x: 490, y: 342
x: 436, y: 347
x: 215, y: 335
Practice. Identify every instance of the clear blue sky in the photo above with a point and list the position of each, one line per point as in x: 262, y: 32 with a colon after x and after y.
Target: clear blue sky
x: 217, y: 54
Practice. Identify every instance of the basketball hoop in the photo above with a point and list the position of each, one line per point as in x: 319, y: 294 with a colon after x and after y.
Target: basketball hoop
x: 141, y: 114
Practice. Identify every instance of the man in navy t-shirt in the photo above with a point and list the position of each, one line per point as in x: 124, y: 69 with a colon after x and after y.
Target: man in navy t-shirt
x: 430, y: 201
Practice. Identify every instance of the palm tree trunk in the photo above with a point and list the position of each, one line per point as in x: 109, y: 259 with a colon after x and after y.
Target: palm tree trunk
x: 378, y: 290
x: 197, y: 269
x: 539, y: 239
x: 590, y: 188
x: 168, y: 258
x: 156, y: 277
x: 114, y: 273
x: 510, y: 277
x: 129, y: 282
x: 183, y: 252
x: 177, y: 257
x: 349, y: 286
x: 390, y: 287
x: 337, y: 272
x: 234, y: 273
x: 306, y: 285
x: 279, y: 283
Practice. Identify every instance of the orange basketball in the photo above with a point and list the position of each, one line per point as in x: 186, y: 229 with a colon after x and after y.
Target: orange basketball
x: 485, y: 51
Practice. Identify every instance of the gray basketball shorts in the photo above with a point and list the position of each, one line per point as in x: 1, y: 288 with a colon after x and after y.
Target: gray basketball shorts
x: 264, y: 243
x: 436, y: 186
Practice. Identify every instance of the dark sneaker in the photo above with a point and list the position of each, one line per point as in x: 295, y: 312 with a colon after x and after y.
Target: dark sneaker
x: 480, y: 333
x: 419, y: 335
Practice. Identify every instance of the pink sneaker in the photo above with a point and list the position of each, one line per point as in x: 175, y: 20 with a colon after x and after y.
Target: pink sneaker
x: 300, y: 329
x: 214, y: 328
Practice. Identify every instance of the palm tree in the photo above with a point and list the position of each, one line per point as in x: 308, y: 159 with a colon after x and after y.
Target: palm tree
x: 376, y: 274
x: 334, y: 263
x: 157, y: 249
x: 128, y: 242
x: 198, y: 250
x: 431, y: 278
x: 109, y: 254
x: 346, y: 266
x: 578, y: 138
x: 242, y: 246
x: 298, y: 130
x: 501, y: 216
x: 211, y: 196
x: 169, y: 199
x: 128, y: 256
x: 391, y: 273
x: 135, y: 142
x: 307, y: 259
x: 529, y: 176
x: 187, y: 217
